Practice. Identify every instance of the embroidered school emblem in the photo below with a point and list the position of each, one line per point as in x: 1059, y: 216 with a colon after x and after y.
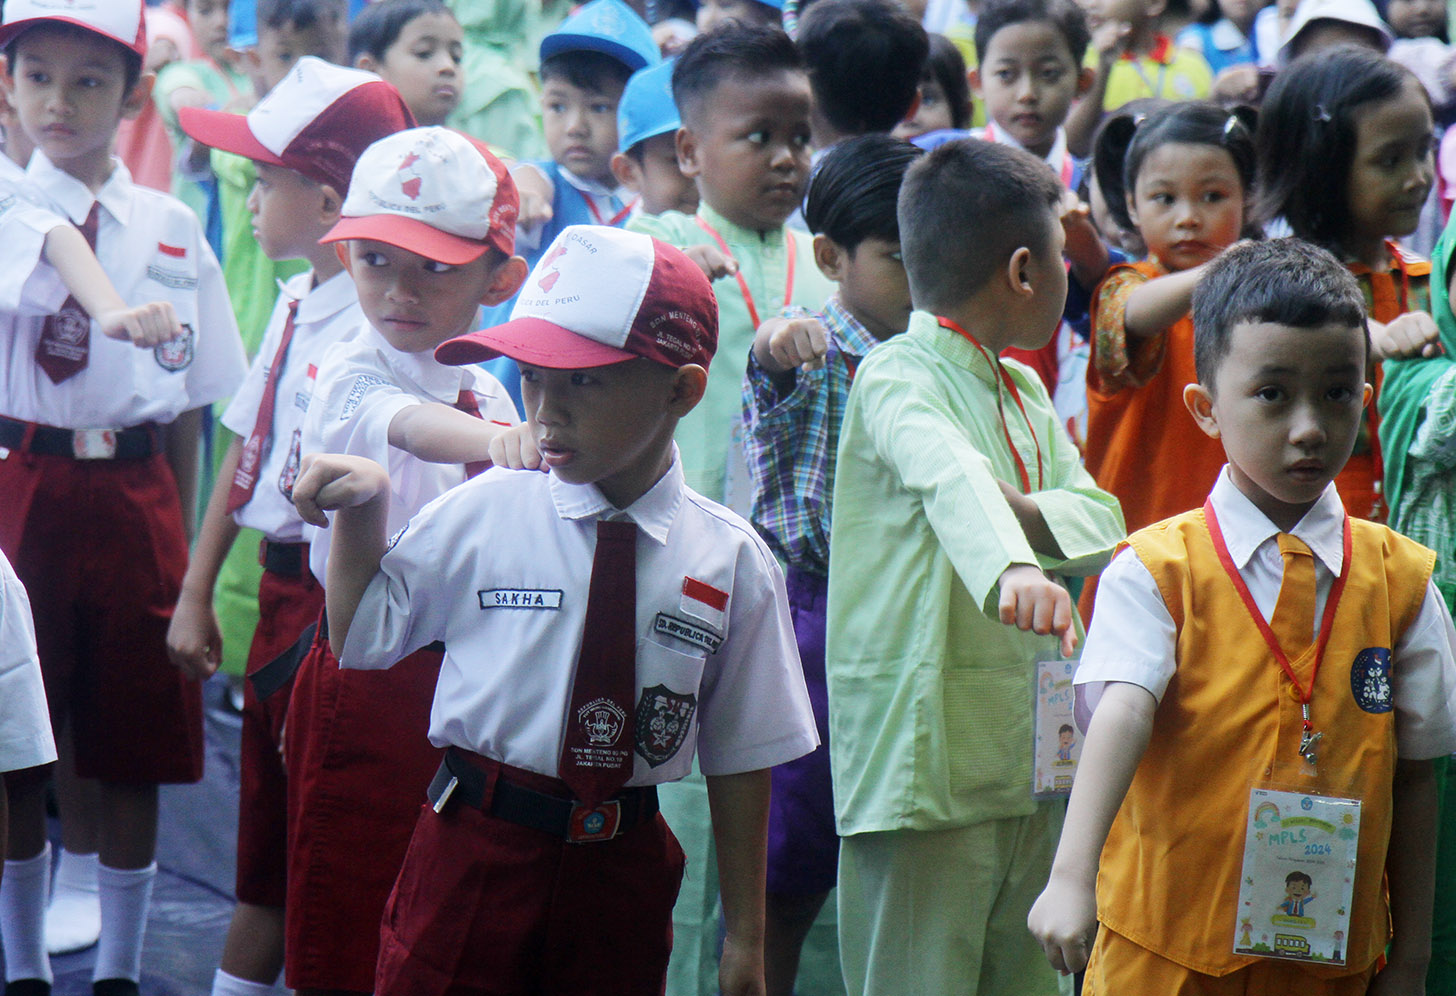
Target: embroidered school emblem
x: 602, y: 720
x: 177, y: 354
x: 289, y: 475
x: 663, y: 720
x: 1370, y: 680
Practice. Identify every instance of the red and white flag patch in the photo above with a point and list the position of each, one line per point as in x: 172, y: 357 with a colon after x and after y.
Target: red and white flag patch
x: 704, y: 602
x: 176, y: 252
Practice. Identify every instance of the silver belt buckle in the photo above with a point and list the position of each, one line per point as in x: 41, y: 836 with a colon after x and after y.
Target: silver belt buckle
x: 93, y: 444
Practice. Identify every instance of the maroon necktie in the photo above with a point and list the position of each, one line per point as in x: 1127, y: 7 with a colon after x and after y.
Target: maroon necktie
x: 251, y: 460
x: 596, y: 757
x: 467, y: 404
x: 65, y: 337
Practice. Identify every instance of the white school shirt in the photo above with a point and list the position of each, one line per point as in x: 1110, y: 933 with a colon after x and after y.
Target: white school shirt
x: 1133, y: 637
x: 25, y: 722
x: 152, y: 248
x: 500, y: 568
x: 28, y: 285
x: 327, y: 314
x: 362, y: 384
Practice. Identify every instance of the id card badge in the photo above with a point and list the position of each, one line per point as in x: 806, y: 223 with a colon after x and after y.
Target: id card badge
x: 1298, y: 876
x: 1058, y: 746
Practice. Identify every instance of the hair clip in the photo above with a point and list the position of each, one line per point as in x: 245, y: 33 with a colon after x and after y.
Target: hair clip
x: 1229, y: 125
x: 1321, y: 114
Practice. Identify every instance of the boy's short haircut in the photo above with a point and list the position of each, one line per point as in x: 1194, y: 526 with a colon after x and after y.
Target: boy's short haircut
x: 586, y: 70
x: 1281, y: 281
x: 1298, y: 876
x: 378, y: 25
x: 964, y: 209
x: 131, y: 62
x: 853, y: 193
x: 731, y: 49
x: 1064, y: 15
x: 864, y: 59
x: 300, y: 14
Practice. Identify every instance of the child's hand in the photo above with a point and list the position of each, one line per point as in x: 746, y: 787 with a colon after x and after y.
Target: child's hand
x: 515, y: 449
x: 1236, y: 85
x: 1032, y: 601
x: 1109, y: 39
x: 146, y: 326
x: 1413, y: 334
x: 1064, y: 921
x: 536, y: 193
x: 714, y: 263
x: 1084, y: 249
x: 194, y: 641
x: 782, y: 344
x: 330, y: 481
x: 740, y: 969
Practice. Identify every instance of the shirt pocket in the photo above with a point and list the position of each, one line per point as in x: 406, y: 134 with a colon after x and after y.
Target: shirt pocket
x: 668, y: 682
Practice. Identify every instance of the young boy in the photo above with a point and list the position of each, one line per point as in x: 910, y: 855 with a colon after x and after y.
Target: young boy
x: 100, y: 494
x: 799, y: 375
x: 682, y: 636
x: 1133, y: 60
x: 1206, y: 659
x: 303, y: 139
x: 955, y: 483
x: 647, y: 124
x: 427, y: 228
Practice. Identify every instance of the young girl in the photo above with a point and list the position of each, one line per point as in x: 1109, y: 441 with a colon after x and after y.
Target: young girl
x: 1344, y: 147
x: 1185, y: 183
x: 418, y: 46
x: 1224, y: 35
x: 945, y: 95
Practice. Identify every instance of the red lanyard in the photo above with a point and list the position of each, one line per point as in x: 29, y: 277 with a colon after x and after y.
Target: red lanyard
x: 1327, y: 621
x: 743, y: 284
x: 1001, y: 378
x: 596, y: 214
x: 989, y: 133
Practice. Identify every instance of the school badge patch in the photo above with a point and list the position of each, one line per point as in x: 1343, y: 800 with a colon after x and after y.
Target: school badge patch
x: 663, y: 720
x: 177, y: 354
x: 1370, y: 680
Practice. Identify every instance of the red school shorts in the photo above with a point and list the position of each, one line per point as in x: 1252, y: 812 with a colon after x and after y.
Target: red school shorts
x: 286, y: 607
x: 491, y: 908
x: 359, y: 761
x: 100, y: 548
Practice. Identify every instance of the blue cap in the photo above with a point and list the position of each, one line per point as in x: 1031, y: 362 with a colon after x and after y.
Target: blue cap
x: 609, y: 27
x: 242, y: 24
x: 647, y: 108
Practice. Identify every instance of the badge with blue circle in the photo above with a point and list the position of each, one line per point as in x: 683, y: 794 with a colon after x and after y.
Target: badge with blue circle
x: 1370, y: 680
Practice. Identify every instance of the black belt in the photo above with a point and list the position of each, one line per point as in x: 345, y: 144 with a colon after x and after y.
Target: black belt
x: 572, y: 821
x: 287, y: 560
x: 136, y: 443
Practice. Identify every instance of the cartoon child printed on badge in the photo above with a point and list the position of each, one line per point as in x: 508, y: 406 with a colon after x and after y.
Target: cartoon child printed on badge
x: 1066, y: 740
x: 1298, y: 893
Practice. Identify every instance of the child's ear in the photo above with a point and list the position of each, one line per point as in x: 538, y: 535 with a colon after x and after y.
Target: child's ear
x: 688, y: 384
x: 1085, y: 79
x: 1200, y: 405
x: 505, y: 281
x: 973, y: 77
x: 687, y: 152
x: 1018, y: 272
x: 830, y: 257
x: 330, y: 205
x: 1367, y: 395
x: 366, y: 62
x: 139, y: 95
x: 625, y: 170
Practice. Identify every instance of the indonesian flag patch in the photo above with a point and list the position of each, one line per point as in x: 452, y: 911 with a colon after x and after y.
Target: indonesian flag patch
x: 704, y: 602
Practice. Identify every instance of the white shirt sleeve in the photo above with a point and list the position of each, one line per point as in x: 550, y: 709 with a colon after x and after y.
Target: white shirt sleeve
x: 220, y: 364
x: 1423, y: 678
x: 1132, y: 639
x: 25, y: 726
x: 29, y: 286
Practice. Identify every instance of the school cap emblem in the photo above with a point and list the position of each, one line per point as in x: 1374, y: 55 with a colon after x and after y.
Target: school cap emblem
x: 663, y: 720
x: 1370, y: 680
x: 410, y: 180
x: 550, y: 273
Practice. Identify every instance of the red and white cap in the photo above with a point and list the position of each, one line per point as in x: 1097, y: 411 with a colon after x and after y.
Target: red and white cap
x: 119, y: 20
x: 317, y: 121
x: 434, y: 192
x: 601, y: 296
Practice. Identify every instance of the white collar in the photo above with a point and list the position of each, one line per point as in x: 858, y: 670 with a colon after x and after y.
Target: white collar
x: 321, y: 303
x: 1055, y: 157
x: 1245, y: 528
x: 421, y: 370
x: 588, y: 186
x: 654, y: 512
x: 1226, y: 35
x: 74, y: 197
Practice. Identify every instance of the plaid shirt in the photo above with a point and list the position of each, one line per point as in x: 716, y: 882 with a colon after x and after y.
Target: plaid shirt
x: 790, y: 441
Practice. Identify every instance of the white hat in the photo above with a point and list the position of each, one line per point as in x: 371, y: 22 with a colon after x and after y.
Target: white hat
x: 119, y: 20
x: 1360, y: 13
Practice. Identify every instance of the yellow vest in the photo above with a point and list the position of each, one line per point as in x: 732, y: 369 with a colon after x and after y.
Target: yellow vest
x: 1169, y: 877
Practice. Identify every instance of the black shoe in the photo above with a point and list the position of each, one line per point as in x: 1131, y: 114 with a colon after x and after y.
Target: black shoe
x: 112, y: 987
x: 28, y: 987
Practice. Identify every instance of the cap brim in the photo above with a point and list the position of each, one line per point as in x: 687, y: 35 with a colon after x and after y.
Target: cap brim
x: 411, y: 234
x: 556, y: 43
x: 15, y: 29
x: 225, y: 131
x: 533, y: 341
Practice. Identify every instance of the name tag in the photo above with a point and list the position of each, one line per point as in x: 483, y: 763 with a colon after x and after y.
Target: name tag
x: 698, y: 636
x: 520, y: 598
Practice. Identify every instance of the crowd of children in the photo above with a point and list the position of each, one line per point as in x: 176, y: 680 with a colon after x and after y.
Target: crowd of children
x: 652, y: 513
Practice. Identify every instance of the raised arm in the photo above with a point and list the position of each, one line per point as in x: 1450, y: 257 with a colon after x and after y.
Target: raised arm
x: 438, y: 433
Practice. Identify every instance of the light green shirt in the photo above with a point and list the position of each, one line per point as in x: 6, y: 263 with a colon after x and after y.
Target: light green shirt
x: 930, y: 697
x: 709, y: 435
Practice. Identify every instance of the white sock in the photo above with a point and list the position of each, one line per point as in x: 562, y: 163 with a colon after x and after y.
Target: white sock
x: 224, y: 984
x: 125, y: 895
x: 73, y: 920
x: 22, y: 917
